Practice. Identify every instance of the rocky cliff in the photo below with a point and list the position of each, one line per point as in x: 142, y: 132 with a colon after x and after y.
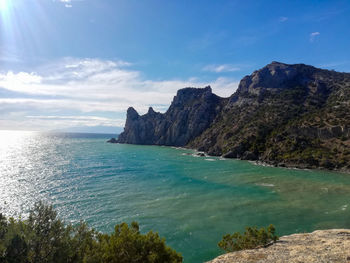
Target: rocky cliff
x: 316, y: 247
x: 287, y: 115
x: 191, y: 112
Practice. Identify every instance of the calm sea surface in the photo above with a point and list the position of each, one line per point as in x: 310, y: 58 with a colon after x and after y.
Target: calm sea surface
x: 191, y: 201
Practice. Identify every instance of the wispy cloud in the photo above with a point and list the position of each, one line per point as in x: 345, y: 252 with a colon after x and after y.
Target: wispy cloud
x: 343, y: 65
x: 88, y: 121
x: 9, y: 54
x: 68, y: 3
x: 88, y: 92
x: 326, y: 14
x: 313, y: 36
x: 221, y: 68
x: 283, y: 19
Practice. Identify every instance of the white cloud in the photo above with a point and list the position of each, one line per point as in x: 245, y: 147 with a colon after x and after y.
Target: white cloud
x: 80, y: 120
x: 313, y: 35
x: 54, y: 105
x: 221, y: 68
x: 67, y: 3
x: 89, y: 87
x: 12, y: 80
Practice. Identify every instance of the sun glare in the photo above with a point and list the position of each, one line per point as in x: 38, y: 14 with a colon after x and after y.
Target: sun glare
x: 3, y: 5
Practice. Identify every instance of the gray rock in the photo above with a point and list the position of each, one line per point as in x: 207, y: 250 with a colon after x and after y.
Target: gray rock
x: 190, y: 113
x: 112, y: 140
x: 230, y: 154
x: 247, y: 155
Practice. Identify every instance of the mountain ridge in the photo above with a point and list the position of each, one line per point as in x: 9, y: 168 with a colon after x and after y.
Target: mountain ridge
x: 191, y: 112
x: 292, y: 115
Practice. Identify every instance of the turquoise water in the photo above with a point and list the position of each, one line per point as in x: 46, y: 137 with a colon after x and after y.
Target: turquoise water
x: 191, y: 201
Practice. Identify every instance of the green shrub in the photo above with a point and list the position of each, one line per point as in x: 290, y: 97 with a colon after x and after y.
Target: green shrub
x: 252, y: 238
x: 43, y: 237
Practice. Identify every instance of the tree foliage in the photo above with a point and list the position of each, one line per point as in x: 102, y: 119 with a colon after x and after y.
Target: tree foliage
x: 44, y: 238
x: 252, y: 238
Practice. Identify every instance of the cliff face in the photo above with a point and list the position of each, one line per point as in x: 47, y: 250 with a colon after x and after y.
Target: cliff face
x: 316, y: 247
x: 288, y: 115
x: 190, y: 113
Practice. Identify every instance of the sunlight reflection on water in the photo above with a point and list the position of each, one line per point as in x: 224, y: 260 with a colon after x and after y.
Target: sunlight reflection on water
x: 188, y: 200
x: 24, y: 170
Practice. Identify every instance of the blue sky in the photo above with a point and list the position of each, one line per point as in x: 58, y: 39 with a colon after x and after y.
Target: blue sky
x: 79, y: 64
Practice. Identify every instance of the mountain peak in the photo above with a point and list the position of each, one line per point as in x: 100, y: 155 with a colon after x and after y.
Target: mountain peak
x: 132, y: 113
x: 277, y: 63
x: 275, y: 76
x: 151, y: 110
x: 190, y: 113
x: 193, y: 91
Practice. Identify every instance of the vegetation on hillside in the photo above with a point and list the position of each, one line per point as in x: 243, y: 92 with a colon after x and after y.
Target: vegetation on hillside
x: 252, y: 238
x: 301, y: 121
x: 44, y: 238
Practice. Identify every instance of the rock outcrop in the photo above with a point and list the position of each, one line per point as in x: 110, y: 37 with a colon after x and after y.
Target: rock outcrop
x: 317, y: 247
x: 112, y: 140
x: 190, y: 113
x: 288, y: 115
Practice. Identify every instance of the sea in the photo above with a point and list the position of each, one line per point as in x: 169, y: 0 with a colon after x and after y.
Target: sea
x: 191, y: 201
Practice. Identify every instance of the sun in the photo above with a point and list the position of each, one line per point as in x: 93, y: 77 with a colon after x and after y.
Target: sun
x: 3, y: 5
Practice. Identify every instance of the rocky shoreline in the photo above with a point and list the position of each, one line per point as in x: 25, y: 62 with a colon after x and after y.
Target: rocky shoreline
x: 320, y: 246
x: 257, y: 162
x: 299, y: 167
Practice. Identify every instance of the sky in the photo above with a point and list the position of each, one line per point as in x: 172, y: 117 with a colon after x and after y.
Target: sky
x: 77, y: 65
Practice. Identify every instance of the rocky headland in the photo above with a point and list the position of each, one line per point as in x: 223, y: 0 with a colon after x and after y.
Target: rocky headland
x: 284, y: 115
x: 191, y: 112
x: 317, y: 247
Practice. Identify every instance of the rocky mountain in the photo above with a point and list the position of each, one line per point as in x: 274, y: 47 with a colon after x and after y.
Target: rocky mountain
x: 287, y: 115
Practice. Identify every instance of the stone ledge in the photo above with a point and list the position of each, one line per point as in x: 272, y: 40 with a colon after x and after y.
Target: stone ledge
x: 319, y: 246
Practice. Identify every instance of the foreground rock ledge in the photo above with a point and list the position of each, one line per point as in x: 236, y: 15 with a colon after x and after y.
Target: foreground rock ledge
x: 318, y: 246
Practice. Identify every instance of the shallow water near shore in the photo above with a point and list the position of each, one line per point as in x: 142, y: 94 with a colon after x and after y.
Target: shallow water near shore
x: 191, y: 201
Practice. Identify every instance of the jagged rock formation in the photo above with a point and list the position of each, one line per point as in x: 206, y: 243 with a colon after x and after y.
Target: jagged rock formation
x: 287, y: 115
x: 190, y: 113
x: 316, y: 247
